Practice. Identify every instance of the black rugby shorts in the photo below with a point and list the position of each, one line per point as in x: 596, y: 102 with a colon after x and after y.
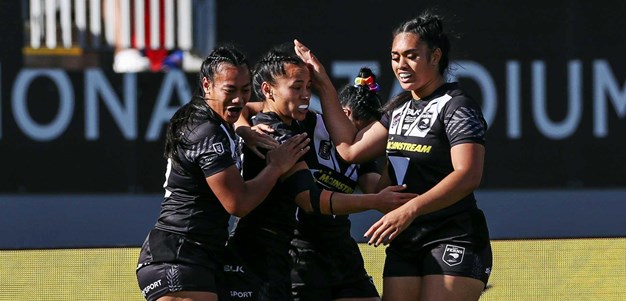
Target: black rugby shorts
x: 458, y: 246
x: 332, y: 271
x: 169, y: 262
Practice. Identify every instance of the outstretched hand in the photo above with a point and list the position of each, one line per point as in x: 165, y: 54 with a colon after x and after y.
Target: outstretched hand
x: 391, y: 198
x: 256, y: 137
x: 389, y: 226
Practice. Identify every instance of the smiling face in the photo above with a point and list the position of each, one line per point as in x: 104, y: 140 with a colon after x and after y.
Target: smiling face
x: 415, y: 65
x: 229, y: 91
x: 290, y: 94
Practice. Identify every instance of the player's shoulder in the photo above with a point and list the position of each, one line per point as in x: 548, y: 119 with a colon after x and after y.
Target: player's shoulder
x: 266, y: 118
x: 209, y: 128
x: 458, y: 96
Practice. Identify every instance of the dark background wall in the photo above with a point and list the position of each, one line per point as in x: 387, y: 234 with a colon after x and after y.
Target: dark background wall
x: 550, y: 76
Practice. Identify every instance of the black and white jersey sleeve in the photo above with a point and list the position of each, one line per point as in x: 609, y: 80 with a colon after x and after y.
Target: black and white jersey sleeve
x: 190, y: 207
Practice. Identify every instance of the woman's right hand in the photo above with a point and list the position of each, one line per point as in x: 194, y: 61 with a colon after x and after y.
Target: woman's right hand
x: 287, y: 154
x: 391, y: 198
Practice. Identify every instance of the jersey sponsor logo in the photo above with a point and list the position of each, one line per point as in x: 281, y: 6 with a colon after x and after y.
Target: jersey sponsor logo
x: 234, y: 269
x: 324, y: 149
x: 150, y: 287
x: 218, y: 147
x: 407, y: 146
x: 327, y: 180
x: 238, y: 294
x: 453, y: 255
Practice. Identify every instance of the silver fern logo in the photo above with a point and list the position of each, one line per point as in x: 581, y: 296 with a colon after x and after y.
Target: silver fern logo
x: 173, y: 278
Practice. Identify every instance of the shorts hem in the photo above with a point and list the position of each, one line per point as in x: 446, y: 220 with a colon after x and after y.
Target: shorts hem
x: 443, y: 273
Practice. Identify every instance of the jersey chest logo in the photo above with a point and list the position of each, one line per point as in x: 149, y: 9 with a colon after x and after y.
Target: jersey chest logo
x: 410, y: 122
x: 324, y: 150
x: 218, y: 147
x: 425, y: 121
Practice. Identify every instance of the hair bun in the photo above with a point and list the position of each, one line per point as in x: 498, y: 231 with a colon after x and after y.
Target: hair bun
x: 367, y: 79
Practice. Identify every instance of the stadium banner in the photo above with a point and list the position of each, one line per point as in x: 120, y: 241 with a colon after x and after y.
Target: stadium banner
x: 82, y: 164
x: 555, y: 102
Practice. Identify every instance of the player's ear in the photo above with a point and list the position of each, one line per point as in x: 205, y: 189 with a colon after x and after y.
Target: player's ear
x: 266, y: 88
x: 206, y: 85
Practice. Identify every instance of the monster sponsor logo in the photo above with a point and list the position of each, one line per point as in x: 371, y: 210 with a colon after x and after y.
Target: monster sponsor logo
x: 327, y: 179
x: 411, y: 147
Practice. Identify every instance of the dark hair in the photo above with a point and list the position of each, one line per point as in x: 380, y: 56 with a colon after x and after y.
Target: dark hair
x: 225, y: 54
x: 429, y: 27
x: 197, y: 110
x: 361, y: 98
x: 272, y: 65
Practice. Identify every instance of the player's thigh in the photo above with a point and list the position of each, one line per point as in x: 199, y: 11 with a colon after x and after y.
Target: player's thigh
x: 406, y: 288
x: 450, y: 288
x: 189, y: 296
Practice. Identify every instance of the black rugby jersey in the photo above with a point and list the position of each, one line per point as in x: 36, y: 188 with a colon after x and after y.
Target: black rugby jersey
x: 332, y: 173
x: 276, y: 214
x: 190, y: 207
x: 421, y: 133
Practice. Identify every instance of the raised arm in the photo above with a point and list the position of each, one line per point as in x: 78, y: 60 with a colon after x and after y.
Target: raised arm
x: 352, y: 145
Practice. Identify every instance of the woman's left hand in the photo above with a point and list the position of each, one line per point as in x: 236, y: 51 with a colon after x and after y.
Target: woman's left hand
x: 257, y: 136
x: 319, y: 74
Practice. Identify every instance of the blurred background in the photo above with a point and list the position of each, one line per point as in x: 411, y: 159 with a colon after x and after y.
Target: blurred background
x: 87, y: 88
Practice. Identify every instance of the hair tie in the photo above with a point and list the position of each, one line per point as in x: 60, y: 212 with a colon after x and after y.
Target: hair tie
x: 374, y: 87
x: 367, y: 81
x: 364, y: 81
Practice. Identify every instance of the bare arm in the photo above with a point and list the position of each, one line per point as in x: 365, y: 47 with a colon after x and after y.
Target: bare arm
x: 352, y: 145
x: 239, y: 197
x: 254, y: 136
x: 384, y: 201
x: 250, y: 109
x: 384, y: 179
x: 368, y: 182
x: 467, y: 161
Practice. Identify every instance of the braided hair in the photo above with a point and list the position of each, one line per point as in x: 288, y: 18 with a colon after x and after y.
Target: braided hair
x: 362, y: 98
x: 272, y: 65
x: 211, y: 65
x: 197, y: 110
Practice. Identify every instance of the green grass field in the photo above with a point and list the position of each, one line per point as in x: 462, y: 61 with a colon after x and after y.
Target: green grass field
x: 564, y: 269
x: 556, y: 269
